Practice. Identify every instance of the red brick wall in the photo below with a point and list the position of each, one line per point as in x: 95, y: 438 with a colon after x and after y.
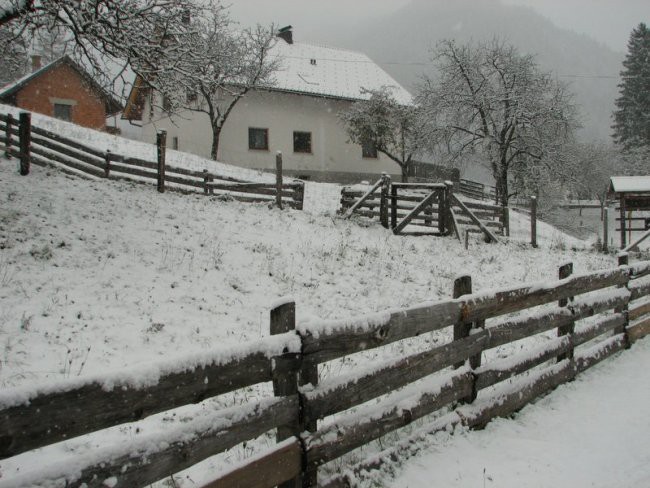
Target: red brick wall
x: 65, y: 83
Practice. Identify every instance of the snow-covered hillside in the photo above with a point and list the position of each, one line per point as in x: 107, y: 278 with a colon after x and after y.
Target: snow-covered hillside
x: 100, y: 275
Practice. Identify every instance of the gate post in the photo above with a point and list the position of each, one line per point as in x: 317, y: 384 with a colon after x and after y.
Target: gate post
x: 383, y: 202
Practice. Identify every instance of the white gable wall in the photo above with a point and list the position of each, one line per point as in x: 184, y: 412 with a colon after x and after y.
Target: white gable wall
x: 332, y: 158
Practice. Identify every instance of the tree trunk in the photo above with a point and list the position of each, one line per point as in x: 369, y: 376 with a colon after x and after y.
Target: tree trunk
x: 405, y: 173
x: 502, y: 189
x: 216, y: 133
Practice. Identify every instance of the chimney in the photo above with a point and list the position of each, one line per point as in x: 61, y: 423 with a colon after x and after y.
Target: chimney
x: 286, y: 33
x: 36, y: 62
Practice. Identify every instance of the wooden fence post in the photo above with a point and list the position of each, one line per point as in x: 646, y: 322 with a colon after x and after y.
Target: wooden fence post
x: 285, y: 382
x: 623, y: 260
x: 565, y: 271
x: 383, y: 202
x: 309, y: 375
x: 445, y: 220
x: 278, y: 179
x: 8, y: 131
x: 299, y: 194
x: 393, y: 207
x: 206, y: 180
x: 533, y: 221
x: 161, y: 143
x: 107, y: 163
x: 463, y: 286
x: 24, y: 135
x: 605, y: 229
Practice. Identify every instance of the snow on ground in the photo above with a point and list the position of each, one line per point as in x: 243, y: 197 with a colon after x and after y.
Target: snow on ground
x: 593, y: 432
x: 98, y: 275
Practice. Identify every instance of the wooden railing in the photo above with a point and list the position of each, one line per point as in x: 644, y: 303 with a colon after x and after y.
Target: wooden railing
x: 476, y: 190
x: 320, y: 419
x: 397, y: 200
x: 44, y: 147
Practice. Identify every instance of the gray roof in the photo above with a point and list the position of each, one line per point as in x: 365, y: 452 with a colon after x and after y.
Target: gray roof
x: 630, y: 184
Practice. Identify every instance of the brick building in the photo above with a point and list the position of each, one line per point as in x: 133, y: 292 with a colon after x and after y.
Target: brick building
x: 64, y: 90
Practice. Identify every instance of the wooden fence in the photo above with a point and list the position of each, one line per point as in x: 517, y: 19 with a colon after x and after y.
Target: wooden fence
x: 31, y: 144
x: 319, y: 419
x: 476, y: 190
x: 396, y: 201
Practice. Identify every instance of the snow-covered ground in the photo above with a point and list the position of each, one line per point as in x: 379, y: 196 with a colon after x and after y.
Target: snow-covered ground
x: 594, y: 431
x: 97, y: 275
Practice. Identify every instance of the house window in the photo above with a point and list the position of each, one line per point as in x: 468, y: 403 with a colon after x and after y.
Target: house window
x: 258, y: 139
x: 191, y: 96
x: 63, y: 111
x: 175, y: 143
x: 369, y: 149
x: 166, y: 103
x: 302, y: 142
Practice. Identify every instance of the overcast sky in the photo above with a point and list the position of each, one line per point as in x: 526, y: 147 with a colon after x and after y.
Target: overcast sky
x: 608, y: 21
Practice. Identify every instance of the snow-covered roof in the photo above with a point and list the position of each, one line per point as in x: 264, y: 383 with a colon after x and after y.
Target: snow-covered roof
x: 331, y: 72
x: 630, y: 184
x: 8, y: 91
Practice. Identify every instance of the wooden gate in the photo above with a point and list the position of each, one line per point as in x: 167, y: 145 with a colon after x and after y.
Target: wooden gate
x: 421, y: 206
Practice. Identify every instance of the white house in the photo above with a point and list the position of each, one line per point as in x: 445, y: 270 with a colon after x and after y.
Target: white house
x: 298, y: 116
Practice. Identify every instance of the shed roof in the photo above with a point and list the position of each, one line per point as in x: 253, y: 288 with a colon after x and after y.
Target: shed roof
x: 629, y: 184
x: 8, y: 91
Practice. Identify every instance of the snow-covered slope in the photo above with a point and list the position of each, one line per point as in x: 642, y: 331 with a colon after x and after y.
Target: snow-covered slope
x: 97, y: 275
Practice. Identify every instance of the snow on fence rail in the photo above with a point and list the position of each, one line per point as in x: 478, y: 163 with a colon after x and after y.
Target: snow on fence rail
x: 318, y: 420
x: 31, y: 144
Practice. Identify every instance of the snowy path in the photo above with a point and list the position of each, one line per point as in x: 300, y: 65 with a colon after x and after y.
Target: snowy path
x: 594, y: 432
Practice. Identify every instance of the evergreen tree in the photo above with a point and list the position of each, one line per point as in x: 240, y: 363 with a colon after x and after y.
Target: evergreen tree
x: 632, y: 114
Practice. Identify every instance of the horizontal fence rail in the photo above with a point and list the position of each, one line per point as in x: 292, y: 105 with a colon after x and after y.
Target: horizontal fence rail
x: 44, y: 147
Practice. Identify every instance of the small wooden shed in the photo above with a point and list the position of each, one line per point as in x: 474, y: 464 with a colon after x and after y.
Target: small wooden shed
x: 633, y: 195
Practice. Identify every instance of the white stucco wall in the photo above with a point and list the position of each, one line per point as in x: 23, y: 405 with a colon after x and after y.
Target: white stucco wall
x: 282, y: 114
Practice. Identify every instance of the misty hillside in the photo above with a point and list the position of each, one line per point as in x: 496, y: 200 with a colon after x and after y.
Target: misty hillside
x: 403, y: 40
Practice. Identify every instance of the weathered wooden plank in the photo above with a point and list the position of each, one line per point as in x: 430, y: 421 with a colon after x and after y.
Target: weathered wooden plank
x: 145, y: 459
x: 266, y: 471
x: 489, y: 223
x: 339, y: 438
x: 420, y: 186
x: 474, y: 219
x: 640, y: 269
x: 135, y: 171
x: 492, y: 304
x: 338, y: 394
x: 498, y: 371
x: 418, y: 209
x: 91, y: 160
x: 605, y: 324
x: 586, y: 359
x: 82, y: 406
x: 517, y: 396
x: 49, y: 156
x: 497, y: 209
x: 639, y: 288
x: 638, y: 330
x: 454, y: 223
x: 365, y: 197
x: 69, y: 142
x: 520, y: 328
x: 327, y: 340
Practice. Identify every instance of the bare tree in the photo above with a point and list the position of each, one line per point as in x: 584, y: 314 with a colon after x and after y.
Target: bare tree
x: 224, y: 65
x: 491, y: 99
x: 14, y: 60
x: 393, y: 129
x: 109, y: 36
